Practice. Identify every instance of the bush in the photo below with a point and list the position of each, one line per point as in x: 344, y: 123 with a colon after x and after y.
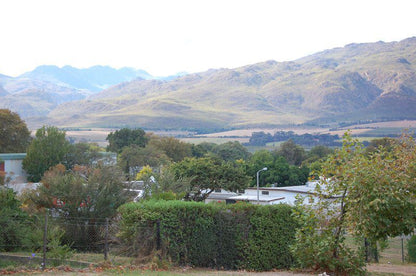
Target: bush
x: 14, y: 222
x: 240, y: 236
x: 411, y: 249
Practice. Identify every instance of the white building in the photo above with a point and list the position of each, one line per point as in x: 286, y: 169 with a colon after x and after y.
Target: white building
x: 11, y: 164
x: 267, y: 195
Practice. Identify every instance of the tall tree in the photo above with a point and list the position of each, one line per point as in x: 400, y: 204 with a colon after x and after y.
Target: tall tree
x: 293, y: 153
x: 48, y: 149
x: 372, y: 197
x: 14, y: 135
x: 126, y: 137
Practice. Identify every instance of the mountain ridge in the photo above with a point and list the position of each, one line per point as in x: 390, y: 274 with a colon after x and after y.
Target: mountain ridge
x: 367, y: 81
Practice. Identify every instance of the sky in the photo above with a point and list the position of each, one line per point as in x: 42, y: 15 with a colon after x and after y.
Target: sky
x: 165, y: 37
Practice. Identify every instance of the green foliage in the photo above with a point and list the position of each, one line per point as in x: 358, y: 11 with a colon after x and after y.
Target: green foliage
x: 279, y: 172
x: 56, y: 250
x: 173, y: 148
x: 92, y: 194
x: 81, y: 154
x: 14, y: 222
x: 294, y: 154
x: 14, y: 135
x: 317, y: 246
x: 370, y: 196
x: 268, y: 240
x: 231, y: 151
x: 240, y: 236
x: 411, y: 249
x: 135, y: 157
x: 48, y: 149
x: 126, y: 137
x: 207, y: 174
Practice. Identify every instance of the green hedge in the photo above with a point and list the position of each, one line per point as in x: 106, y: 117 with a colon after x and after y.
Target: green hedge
x: 239, y: 236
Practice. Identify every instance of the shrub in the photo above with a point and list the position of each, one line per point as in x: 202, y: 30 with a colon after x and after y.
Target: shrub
x: 411, y: 249
x: 240, y: 236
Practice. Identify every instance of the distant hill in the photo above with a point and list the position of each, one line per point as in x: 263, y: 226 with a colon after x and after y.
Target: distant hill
x: 94, y: 79
x: 368, y: 82
x: 38, y: 92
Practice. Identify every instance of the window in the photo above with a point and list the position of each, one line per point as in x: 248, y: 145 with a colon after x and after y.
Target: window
x: 265, y: 192
x: 241, y: 191
x: 217, y: 190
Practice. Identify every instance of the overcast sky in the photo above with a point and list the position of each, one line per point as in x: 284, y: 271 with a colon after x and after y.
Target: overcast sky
x: 164, y: 37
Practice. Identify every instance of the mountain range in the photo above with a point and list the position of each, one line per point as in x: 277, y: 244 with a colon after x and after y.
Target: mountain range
x: 358, y: 82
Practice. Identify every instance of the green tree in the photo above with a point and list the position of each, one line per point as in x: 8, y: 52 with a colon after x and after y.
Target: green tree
x: 14, y: 135
x: 231, y: 151
x: 279, y: 171
x: 207, y: 174
x: 372, y: 197
x: 133, y: 157
x: 175, y: 149
x: 126, y: 137
x: 294, y: 154
x: 375, y: 144
x: 202, y: 149
x: 81, y: 154
x: 48, y: 149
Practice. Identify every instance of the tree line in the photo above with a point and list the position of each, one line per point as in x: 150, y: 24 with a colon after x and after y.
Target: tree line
x: 308, y: 140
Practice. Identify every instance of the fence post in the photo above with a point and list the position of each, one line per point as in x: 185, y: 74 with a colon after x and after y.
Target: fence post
x: 45, y: 233
x: 402, y: 249
x: 158, y: 235
x: 106, y: 240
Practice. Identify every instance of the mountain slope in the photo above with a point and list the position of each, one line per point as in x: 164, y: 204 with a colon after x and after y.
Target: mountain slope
x: 373, y: 81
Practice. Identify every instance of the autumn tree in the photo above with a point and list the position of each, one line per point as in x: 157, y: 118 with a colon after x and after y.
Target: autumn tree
x: 48, y: 149
x: 83, y: 197
x: 14, y: 135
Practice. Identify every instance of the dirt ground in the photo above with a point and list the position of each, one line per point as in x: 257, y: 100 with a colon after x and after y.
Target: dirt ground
x: 390, y: 268
x: 376, y: 268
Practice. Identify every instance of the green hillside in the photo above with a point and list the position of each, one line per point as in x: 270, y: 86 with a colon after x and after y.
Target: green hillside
x: 374, y: 81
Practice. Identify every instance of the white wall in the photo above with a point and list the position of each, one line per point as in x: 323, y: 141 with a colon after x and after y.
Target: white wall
x: 14, y: 171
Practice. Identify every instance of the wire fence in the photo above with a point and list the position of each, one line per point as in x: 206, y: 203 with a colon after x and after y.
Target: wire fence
x: 53, y: 239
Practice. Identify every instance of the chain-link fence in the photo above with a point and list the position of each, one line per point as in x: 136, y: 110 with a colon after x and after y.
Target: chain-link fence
x: 53, y: 239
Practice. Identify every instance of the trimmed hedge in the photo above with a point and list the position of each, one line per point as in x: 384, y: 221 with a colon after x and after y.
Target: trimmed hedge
x: 239, y: 236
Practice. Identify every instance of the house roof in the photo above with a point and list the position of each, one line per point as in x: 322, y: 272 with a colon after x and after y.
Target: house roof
x: 262, y: 198
x: 12, y: 156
